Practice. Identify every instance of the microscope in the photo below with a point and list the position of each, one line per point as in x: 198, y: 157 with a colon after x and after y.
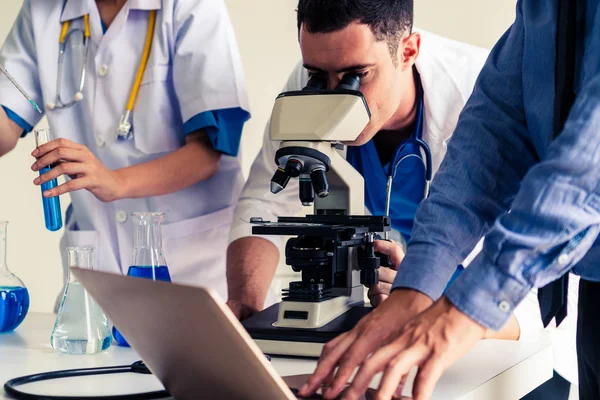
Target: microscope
x: 334, y: 247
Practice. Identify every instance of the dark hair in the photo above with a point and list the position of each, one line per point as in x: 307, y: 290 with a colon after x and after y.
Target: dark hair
x: 388, y: 19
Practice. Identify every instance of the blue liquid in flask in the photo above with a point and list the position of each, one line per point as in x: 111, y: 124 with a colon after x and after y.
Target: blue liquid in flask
x: 14, y: 304
x: 52, y: 213
x: 158, y: 274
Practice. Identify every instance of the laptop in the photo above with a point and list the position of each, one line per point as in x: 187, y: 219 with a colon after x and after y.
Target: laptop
x: 188, y: 338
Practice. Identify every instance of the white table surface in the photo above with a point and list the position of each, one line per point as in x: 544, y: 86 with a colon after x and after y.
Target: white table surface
x: 493, y: 370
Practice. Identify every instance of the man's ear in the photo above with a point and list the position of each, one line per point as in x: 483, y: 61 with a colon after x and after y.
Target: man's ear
x: 408, y: 51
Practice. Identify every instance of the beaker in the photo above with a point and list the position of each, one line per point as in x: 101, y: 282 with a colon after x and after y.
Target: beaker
x: 14, y: 297
x: 52, y: 213
x: 149, y: 260
x: 81, y: 326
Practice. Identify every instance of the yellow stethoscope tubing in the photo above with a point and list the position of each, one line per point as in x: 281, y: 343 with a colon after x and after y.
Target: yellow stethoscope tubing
x: 145, y: 56
x: 64, y: 34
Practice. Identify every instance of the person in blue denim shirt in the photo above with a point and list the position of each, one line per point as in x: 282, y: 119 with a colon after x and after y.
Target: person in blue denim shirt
x: 535, y: 198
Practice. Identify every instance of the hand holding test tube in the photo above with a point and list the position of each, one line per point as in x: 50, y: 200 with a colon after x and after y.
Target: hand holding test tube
x: 52, y: 211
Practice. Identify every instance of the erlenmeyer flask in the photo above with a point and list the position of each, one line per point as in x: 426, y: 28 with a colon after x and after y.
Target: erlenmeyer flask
x: 149, y: 260
x: 14, y: 297
x: 81, y: 326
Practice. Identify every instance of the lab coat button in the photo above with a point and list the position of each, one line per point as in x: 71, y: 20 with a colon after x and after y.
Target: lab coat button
x: 121, y: 216
x: 504, y: 306
x: 100, y: 141
x: 103, y: 70
x: 563, y: 259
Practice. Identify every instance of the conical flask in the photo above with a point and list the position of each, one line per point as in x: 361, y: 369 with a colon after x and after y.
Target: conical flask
x: 14, y: 297
x: 81, y: 326
x: 149, y: 260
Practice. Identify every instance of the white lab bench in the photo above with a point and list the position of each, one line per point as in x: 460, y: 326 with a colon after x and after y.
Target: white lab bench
x: 495, y: 370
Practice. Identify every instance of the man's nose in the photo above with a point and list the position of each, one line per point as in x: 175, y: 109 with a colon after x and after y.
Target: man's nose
x: 333, y: 82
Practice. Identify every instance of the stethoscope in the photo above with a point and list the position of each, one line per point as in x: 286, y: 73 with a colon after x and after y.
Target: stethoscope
x: 418, y: 139
x: 124, y: 130
x: 138, y: 367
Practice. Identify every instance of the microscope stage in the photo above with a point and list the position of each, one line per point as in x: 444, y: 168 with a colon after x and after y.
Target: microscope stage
x: 296, y: 341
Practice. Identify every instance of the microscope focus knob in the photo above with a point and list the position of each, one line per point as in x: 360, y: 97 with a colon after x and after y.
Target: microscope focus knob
x: 369, y: 277
x: 293, y: 168
x: 319, y: 182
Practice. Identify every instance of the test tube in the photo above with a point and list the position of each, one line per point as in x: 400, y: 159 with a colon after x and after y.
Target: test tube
x: 52, y: 212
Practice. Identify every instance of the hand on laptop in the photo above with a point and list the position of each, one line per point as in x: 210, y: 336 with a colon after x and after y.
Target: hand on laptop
x: 348, y: 351
x: 381, y: 291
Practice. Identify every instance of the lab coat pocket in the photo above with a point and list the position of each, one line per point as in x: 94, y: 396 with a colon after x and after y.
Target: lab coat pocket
x: 196, y: 249
x: 157, y: 126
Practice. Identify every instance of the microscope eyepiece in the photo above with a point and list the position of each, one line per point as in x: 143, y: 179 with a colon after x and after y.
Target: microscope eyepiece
x: 350, y: 82
x: 279, y: 181
x: 319, y: 182
x: 316, y: 83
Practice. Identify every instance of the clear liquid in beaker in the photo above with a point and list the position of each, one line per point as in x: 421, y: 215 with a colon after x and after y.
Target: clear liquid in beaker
x: 81, y: 326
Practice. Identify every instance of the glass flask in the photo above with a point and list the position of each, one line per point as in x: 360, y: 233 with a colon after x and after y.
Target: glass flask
x: 52, y: 213
x: 149, y: 260
x: 81, y: 326
x: 14, y: 297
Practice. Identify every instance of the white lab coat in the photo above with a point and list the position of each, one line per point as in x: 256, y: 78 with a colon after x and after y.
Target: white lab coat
x: 194, y: 66
x: 448, y: 72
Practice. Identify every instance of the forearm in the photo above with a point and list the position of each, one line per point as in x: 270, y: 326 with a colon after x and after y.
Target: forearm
x: 9, y: 133
x: 251, y: 266
x: 510, y: 331
x: 196, y: 161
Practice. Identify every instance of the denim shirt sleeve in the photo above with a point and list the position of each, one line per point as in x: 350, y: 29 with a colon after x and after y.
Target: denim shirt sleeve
x: 554, y: 220
x: 488, y: 155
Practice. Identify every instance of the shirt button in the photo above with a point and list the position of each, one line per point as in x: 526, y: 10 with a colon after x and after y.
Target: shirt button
x: 100, y: 142
x: 103, y: 70
x: 563, y: 259
x: 504, y: 306
x: 121, y: 216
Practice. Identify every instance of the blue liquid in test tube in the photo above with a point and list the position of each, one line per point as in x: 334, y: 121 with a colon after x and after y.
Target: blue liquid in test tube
x: 52, y: 211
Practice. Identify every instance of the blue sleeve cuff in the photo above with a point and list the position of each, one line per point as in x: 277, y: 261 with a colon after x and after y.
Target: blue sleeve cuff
x: 223, y: 127
x: 486, y: 294
x: 18, y: 120
x: 427, y: 269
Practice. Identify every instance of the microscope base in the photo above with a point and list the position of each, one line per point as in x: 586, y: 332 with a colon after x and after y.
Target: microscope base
x: 298, y: 342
